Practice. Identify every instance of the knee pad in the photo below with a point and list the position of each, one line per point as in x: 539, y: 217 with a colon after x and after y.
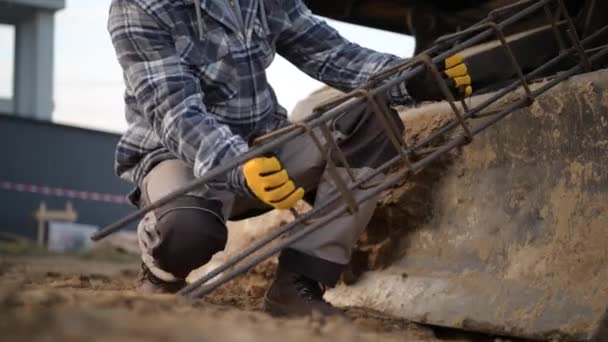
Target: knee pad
x: 191, y: 231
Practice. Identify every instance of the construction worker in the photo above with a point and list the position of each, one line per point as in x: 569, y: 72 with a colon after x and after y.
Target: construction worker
x: 197, y: 95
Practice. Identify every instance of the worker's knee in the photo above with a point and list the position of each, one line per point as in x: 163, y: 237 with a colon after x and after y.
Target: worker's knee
x: 191, y: 231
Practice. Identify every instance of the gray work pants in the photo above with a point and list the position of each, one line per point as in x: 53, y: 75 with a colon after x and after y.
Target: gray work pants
x: 320, y: 255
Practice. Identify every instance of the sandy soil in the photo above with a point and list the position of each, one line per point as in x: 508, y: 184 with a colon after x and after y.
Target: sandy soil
x: 48, y: 298
x: 55, y: 298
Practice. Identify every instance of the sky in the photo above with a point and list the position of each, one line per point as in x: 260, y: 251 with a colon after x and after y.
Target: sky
x: 6, y: 60
x: 88, y: 80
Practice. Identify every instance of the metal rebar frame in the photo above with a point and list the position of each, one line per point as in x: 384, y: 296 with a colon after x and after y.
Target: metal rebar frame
x: 373, y: 97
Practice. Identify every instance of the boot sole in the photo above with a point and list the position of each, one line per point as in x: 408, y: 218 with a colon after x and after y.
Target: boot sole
x: 276, y: 309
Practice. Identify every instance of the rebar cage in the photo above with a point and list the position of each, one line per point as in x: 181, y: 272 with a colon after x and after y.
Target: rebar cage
x: 583, y: 49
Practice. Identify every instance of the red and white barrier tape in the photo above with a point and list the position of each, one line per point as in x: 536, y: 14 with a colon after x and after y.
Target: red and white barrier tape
x: 65, y: 193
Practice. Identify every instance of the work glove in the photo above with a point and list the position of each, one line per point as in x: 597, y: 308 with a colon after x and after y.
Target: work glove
x: 454, y: 70
x: 269, y: 182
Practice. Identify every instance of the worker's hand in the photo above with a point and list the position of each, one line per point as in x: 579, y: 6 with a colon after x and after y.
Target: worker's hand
x: 456, y: 74
x: 270, y: 183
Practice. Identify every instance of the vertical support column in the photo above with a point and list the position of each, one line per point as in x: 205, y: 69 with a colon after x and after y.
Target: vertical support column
x: 6, y: 103
x: 33, y: 92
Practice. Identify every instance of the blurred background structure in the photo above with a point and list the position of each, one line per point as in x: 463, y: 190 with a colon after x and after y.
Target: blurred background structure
x: 34, y: 27
x: 61, y: 112
x: 49, y: 173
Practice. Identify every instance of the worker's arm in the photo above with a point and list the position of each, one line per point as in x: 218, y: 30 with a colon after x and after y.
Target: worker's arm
x: 169, y: 93
x: 320, y: 51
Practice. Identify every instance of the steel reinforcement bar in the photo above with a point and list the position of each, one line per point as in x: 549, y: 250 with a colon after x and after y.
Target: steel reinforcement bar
x: 323, y: 114
x: 373, y: 97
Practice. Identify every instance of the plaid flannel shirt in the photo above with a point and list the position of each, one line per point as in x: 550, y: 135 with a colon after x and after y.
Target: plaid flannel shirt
x: 202, y: 98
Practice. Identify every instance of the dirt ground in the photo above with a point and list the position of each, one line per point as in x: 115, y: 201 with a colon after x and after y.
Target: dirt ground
x: 67, y: 298
x: 63, y: 298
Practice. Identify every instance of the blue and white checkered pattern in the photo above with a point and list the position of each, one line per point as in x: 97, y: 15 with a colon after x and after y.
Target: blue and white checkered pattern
x: 202, y: 98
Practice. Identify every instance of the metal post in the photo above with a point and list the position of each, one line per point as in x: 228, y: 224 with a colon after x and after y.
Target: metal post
x: 34, y: 51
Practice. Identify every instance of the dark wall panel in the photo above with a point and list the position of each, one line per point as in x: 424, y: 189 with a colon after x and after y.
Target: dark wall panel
x: 58, y: 157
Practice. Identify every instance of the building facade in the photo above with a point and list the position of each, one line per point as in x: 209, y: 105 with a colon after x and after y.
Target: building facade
x: 48, y: 172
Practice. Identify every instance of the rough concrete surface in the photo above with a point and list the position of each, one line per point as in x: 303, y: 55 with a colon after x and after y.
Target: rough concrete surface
x: 514, y: 238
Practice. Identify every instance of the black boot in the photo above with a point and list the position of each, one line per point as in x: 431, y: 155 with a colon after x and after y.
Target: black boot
x: 151, y: 284
x: 292, y: 294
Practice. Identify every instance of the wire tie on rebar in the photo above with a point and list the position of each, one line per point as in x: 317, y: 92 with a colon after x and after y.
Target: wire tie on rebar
x: 332, y: 169
x: 441, y: 82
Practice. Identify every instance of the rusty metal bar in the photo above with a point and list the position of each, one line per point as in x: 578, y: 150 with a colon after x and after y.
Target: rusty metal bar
x: 507, y: 90
x: 597, y: 48
x: 334, y: 147
x: 462, y: 46
x: 574, y: 37
x: 512, y: 59
x: 201, y: 288
x: 395, y: 69
x: 426, y: 60
x: 464, y: 105
x: 552, y: 21
x: 514, y: 7
x: 258, y: 244
x: 395, y: 138
x: 337, y: 107
x: 437, y: 152
x: 341, y: 186
x: 265, y: 148
x: 588, y: 17
x: 233, y: 273
x: 384, y: 107
x: 493, y: 15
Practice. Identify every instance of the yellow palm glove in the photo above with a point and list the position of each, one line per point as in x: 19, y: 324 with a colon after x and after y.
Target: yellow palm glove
x: 458, y: 73
x: 454, y: 70
x: 270, y: 183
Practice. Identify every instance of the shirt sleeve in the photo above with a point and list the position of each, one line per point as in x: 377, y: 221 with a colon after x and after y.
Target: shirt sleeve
x: 321, y: 52
x: 169, y: 94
